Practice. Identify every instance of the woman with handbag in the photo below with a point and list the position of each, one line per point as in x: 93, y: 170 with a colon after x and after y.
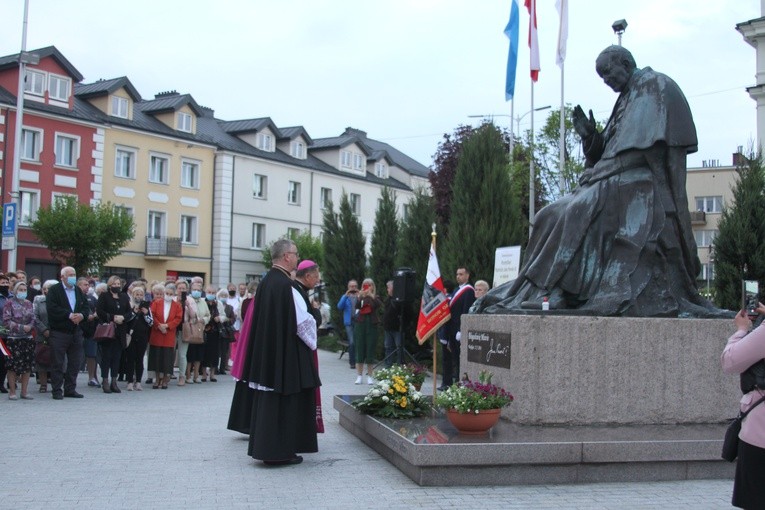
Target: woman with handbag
x: 139, y: 338
x: 167, y: 314
x: 42, y: 364
x: 743, y: 350
x: 196, y: 317
x: 113, y: 307
x: 19, y: 320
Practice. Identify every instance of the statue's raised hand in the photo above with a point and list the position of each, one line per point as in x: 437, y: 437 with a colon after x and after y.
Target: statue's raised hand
x: 584, y: 126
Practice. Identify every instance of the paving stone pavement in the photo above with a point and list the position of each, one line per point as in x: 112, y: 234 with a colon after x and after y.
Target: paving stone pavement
x: 170, y: 449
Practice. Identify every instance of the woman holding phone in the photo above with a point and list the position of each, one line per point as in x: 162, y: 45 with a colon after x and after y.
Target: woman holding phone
x: 365, y: 330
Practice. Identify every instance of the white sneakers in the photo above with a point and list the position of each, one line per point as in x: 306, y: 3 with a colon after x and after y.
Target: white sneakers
x: 130, y: 386
x: 137, y: 387
x: 370, y: 380
x: 358, y: 380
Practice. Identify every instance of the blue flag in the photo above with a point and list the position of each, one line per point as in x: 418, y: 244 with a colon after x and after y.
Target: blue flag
x: 511, y: 31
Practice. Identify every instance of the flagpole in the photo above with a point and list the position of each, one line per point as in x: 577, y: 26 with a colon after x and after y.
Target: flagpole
x: 512, y: 133
x: 433, y: 236
x: 531, y: 165
x: 562, y: 148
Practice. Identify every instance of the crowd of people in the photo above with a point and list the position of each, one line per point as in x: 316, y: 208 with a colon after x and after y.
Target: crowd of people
x: 57, y: 328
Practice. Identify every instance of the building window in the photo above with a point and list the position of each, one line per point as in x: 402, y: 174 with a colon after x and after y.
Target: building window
x: 405, y: 212
x: 30, y: 202
x: 356, y: 204
x: 293, y: 194
x: 59, y: 87
x: 259, y: 186
x: 156, y: 228
x: 67, y: 150
x: 709, y: 204
x: 265, y: 142
x: 345, y: 159
x: 123, y: 209
x: 358, y: 162
x: 190, y: 174
x: 124, y: 163
x: 258, y: 235
x: 35, y: 83
x: 184, y: 122
x: 297, y: 150
x: 326, y: 197
x: 292, y: 233
x: 381, y: 170
x: 704, y: 238
x: 189, y: 229
x: 158, y: 169
x: 31, y: 144
x: 119, y: 107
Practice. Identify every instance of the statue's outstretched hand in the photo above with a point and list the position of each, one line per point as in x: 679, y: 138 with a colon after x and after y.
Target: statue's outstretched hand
x: 584, y: 126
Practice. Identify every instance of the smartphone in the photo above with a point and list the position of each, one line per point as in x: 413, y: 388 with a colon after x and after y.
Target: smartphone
x: 750, y: 298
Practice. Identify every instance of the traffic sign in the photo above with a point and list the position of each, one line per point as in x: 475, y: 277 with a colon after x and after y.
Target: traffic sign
x: 9, y: 220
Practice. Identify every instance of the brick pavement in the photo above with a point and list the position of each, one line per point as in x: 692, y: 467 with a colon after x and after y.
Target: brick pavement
x: 170, y: 448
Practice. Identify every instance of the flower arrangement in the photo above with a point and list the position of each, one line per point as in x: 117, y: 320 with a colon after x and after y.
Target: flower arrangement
x: 393, y: 395
x: 473, y: 397
x: 418, y: 373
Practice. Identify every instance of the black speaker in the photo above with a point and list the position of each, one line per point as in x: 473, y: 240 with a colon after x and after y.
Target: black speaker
x: 403, y: 285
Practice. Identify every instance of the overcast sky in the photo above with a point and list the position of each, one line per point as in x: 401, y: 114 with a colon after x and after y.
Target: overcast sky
x: 405, y: 71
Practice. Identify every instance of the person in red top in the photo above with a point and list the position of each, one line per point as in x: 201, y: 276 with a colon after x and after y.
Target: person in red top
x: 167, y: 314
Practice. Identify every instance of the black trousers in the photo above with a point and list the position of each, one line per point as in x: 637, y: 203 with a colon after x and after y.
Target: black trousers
x: 451, y: 363
x: 67, y: 352
x: 134, y: 358
x: 111, y: 354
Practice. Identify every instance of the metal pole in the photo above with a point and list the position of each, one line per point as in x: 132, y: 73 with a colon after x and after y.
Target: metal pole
x: 512, y: 133
x: 435, y: 336
x: 17, y: 134
x: 531, y: 165
x: 562, y: 148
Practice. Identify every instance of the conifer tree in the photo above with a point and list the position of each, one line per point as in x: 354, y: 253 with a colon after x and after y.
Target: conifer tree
x: 740, y: 241
x: 344, y: 252
x: 485, y: 214
x: 382, y: 257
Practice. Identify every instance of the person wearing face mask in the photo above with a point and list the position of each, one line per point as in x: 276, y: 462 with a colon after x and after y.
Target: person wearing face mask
x: 19, y: 321
x: 113, y: 306
x: 233, y: 300
x: 67, y: 308
x: 211, y: 354
x: 167, y: 314
x: 4, y: 286
x: 139, y: 337
x: 196, y: 311
x: 34, y: 288
x: 43, y: 333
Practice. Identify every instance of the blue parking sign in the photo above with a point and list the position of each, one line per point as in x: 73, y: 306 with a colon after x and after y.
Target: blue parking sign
x: 9, y: 220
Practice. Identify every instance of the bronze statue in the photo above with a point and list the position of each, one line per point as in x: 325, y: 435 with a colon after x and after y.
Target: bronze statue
x: 620, y: 244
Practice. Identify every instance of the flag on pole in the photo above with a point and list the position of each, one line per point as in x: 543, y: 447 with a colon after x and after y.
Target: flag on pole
x: 512, y: 30
x: 531, y: 5
x: 560, y: 55
x: 4, y: 349
x: 434, y: 307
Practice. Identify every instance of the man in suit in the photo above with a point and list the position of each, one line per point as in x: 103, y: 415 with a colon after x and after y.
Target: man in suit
x: 460, y: 303
x: 67, y: 308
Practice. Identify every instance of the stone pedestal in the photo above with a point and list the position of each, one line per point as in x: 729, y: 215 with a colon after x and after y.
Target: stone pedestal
x: 604, y: 370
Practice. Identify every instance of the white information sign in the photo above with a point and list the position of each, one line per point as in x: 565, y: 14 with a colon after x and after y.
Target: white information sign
x: 507, y: 263
x: 9, y: 243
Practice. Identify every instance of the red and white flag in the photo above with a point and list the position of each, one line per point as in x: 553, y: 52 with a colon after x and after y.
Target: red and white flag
x: 531, y: 5
x: 4, y: 349
x: 434, y: 307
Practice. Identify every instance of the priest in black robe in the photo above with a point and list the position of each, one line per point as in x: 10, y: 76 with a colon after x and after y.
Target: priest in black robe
x: 621, y: 243
x: 279, y: 367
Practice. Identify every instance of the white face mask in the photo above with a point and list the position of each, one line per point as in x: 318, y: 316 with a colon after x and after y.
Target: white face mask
x: 36, y: 286
x: 168, y: 298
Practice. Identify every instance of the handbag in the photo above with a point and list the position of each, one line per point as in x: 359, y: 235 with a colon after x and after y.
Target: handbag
x: 42, y: 354
x: 730, y: 443
x: 226, y: 331
x: 193, y: 333
x: 105, y: 331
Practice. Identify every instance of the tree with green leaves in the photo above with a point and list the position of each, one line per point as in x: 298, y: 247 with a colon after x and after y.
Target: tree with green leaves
x: 485, y: 213
x: 382, y: 257
x: 738, y: 247
x: 309, y: 248
x: 344, y: 252
x: 547, y: 151
x: 83, y: 236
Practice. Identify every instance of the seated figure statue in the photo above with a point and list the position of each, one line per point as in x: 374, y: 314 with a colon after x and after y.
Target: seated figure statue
x: 620, y: 244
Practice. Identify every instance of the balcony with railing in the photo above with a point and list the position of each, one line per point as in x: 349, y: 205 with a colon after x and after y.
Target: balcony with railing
x: 698, y: 218
x: 163, y: 247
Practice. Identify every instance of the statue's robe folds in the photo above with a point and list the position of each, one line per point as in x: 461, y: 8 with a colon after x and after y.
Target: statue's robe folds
x: 621, y: 243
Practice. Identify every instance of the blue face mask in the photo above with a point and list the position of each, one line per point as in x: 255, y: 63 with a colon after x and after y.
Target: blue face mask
x: 21, y: 295
x: 71, y: 280
x: 196, y: 294
x: 210, y: 297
